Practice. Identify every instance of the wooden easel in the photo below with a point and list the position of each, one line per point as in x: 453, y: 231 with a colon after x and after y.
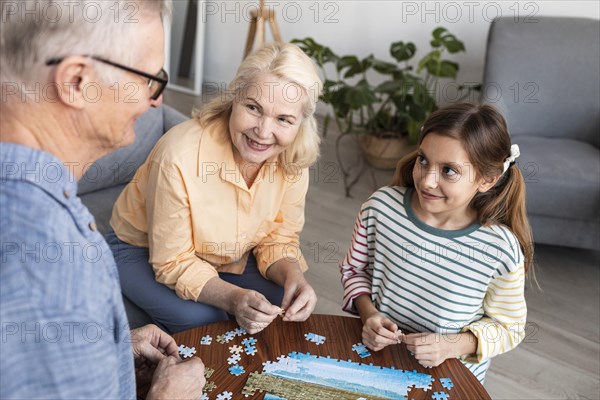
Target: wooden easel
x: 258, y: 27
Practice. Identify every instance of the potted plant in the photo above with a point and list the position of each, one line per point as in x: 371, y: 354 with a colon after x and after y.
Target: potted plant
x: 387, y: 115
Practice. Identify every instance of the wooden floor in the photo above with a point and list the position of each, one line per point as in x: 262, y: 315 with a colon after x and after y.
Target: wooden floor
x: 560, y: 357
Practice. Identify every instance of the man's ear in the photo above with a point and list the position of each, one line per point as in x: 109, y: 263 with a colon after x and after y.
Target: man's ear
x: 72, y: 78
x: 486, y: 184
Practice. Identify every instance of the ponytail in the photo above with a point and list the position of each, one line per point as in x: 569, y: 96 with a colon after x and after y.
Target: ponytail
x: 505, y: 204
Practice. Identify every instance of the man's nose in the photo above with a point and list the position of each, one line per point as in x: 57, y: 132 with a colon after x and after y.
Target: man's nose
x: 156, y: 103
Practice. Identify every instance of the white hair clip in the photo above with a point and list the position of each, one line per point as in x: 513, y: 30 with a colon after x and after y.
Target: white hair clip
x: 514, y: 154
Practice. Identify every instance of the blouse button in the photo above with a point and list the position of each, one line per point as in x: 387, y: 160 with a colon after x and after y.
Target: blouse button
x: 93, y: 226
x: 66, y: 194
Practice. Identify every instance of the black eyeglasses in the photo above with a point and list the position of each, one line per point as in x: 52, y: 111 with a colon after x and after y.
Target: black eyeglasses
x: 156, y: 83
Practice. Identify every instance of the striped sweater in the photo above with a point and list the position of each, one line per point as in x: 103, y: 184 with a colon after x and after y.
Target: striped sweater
x: 431, y: 280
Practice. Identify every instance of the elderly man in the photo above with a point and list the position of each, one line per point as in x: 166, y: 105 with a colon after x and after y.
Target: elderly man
x: 75, y: 76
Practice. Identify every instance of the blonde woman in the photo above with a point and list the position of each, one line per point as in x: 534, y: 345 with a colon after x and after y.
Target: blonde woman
x: 210, y: 224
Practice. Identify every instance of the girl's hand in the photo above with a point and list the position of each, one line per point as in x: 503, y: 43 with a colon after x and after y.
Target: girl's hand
x: 253, y: 311
x: 379, y: 332
x: 432, y: 349
x: 299, y: 299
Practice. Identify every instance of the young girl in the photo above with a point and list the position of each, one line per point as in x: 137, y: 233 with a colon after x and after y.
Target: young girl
x: 444, y: 251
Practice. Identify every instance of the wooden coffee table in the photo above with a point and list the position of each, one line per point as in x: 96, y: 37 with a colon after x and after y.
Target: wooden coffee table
x: 281, y: 338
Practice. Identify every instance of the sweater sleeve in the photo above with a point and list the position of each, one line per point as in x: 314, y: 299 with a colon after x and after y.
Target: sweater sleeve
x: 357, y: 272
x: 502, y: 327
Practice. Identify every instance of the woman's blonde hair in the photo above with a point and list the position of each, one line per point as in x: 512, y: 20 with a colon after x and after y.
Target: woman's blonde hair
x: 287, y: 62
x: 484, y: 135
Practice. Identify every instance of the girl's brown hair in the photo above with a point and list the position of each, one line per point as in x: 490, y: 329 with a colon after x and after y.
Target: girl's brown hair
x: 484, y: 135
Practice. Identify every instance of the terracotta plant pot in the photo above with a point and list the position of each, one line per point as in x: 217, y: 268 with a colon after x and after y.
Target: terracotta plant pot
x: 384, y: 152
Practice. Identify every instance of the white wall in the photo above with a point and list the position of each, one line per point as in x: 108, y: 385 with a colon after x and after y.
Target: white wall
x: 364, y: 27
x: 177, y: 26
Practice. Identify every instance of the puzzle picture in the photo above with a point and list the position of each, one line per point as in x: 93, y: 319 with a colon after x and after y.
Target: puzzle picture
x: 305, y: 376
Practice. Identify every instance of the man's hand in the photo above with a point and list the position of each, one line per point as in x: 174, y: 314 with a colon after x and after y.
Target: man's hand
x: 379, y: 332
x: 432, y: 349
x: 253, y: 311
x: 153, y: 344
x: 177, y: 380
x: 299, y: 299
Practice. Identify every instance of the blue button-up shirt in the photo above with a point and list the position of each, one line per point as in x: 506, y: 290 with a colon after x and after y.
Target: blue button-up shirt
x: 64, y: 331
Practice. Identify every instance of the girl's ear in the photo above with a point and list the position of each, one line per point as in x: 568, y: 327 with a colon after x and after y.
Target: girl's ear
x: 486, y: 184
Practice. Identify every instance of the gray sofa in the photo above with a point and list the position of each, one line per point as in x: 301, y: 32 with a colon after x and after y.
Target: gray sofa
x: 106, y: 178
x: 544, y: 75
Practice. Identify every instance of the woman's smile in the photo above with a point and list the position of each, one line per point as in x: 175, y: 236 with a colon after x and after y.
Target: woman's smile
x: 256, y: 146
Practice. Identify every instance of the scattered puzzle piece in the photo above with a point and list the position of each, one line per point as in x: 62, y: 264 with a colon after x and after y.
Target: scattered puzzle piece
x: 206, y: 340
x: 440, y: 396
x: 186, y: 352
x: 221, y: 339
x: 204, y: 396
x: 239, y: 331
x: 447, y: 383
x: 361, y: 350
x: 250, y: 341
x: 208, y: 372
x: 225, y: 396
x: 237, y: 370
x: 250, y: 350
x: 359, y: 347
x: 209, y: 387
x: 313, y: 337
x: 234, y: 359
x: 236, y: 349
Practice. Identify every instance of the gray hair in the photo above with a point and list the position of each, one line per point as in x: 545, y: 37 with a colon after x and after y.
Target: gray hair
x: 34, y: 31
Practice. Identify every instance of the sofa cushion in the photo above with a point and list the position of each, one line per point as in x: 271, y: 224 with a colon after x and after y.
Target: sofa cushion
x: 100, y: 203
x: 544, y: 76
x: 120, y: 166
x: 562, y: 177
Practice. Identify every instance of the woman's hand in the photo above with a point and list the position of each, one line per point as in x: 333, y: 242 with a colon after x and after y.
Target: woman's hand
x: 379, y: 332
x: 253, y: 311
x: 299, y: 298
x: 432, y: 349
